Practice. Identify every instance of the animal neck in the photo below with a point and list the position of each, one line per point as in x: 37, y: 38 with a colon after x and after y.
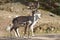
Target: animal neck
x: 34, y: 17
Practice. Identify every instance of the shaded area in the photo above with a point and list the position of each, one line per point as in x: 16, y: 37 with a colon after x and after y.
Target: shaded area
x: 39, y: 37
x: 50, y: 5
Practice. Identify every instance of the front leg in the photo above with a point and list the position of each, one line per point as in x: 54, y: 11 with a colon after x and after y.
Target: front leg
x: 32, y: 27
x: 32, y: 30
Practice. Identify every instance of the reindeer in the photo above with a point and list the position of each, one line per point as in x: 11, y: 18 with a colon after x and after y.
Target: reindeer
x: 29, y: 21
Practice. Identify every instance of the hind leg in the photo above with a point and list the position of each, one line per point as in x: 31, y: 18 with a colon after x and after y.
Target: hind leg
x: 17, y: 32
x: 25, y: 30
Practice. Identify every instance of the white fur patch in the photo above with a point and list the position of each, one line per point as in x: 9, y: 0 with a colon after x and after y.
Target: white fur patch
x: 39, y: 15
x: 17, y: 15
x: 8, y: 28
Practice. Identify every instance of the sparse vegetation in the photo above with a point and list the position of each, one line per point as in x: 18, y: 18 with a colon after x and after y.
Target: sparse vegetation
x: 47, y: 24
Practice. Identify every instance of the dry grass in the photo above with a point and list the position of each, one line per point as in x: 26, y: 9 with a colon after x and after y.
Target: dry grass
x: 8, y: 12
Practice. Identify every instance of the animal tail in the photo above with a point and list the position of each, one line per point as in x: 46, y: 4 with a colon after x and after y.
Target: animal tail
x: 9, y: 28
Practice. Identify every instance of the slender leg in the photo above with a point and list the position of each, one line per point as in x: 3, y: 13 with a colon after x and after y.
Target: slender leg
x: 25, y: 30
x: 32, y: 27
x: 32, y: 30
x: 17, y: 33
x: 28, y: 29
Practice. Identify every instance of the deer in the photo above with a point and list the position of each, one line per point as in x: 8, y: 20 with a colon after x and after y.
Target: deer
x: 28, y: 21
x: 33, y: 5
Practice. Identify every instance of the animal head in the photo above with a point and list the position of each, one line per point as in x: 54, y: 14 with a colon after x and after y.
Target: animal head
x: 37, y: 14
